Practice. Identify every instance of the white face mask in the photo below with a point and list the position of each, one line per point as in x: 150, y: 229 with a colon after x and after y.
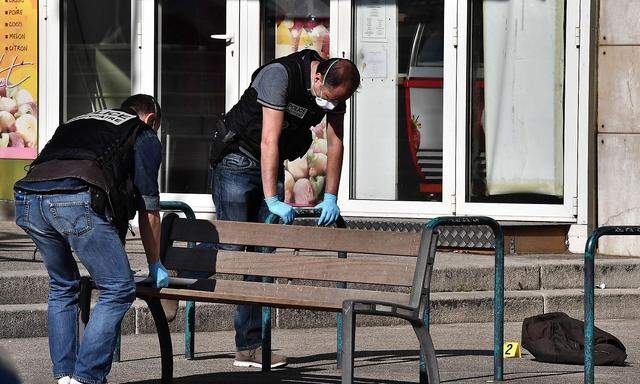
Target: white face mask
x: 324, y: 103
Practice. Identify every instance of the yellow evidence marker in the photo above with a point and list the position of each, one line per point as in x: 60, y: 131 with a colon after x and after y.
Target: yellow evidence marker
x: 511, y: 349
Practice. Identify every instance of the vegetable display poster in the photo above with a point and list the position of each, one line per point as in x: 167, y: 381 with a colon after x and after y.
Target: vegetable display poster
x: 18, y: 79
x: 304, y: 177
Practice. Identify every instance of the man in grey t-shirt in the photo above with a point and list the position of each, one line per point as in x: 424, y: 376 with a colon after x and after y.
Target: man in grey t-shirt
x: 272, y: 123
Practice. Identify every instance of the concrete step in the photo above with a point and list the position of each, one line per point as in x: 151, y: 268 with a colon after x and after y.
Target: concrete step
x: 452, y: 273
x: 29, y: 320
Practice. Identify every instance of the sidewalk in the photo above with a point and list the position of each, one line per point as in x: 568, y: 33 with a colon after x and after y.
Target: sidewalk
x: 386, y: 355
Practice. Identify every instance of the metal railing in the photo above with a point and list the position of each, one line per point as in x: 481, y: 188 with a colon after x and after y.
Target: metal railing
x: 498, y: 298
x: 589, y: 290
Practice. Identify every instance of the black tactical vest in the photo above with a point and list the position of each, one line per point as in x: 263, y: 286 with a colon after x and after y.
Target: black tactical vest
x: 301, y: 113
x: 106, y: 138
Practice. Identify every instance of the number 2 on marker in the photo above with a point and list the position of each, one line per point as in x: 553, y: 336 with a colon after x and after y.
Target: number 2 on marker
x: 511, y: 350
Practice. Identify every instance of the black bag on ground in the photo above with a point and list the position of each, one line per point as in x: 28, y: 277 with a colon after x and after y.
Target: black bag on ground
x: 557, y: 338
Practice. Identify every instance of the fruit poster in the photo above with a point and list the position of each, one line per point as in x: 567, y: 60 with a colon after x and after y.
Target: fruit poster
x: 304, y: 177
x: 296, y: 34
x: 18, y: 79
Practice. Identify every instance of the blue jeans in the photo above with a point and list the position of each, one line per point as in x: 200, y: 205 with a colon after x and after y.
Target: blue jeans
x: 238, y: 196
x: 58, y: 224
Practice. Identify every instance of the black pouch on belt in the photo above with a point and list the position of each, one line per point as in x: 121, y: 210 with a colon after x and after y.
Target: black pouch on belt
x: 222, y: 141
x: 99, y: 200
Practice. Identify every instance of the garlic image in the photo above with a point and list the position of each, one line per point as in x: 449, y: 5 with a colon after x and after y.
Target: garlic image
x: 319, y: 146
x: 4, y: 140
x: 8, y: 104
x: 298, y: 168
x: 7, y: 122
x: 27, y: 128
x: 29, y: 108
x: 23, y: 96
x: 317, y: 164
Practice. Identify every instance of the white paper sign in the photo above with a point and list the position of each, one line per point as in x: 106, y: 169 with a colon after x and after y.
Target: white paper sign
x: 374, y: 62
x: 374, y: 23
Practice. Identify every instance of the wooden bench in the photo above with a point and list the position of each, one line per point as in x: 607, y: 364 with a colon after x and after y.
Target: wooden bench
x: 412, y: 271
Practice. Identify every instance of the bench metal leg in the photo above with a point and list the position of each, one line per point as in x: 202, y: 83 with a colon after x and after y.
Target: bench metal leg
x: 429, y: 373
x: 266, y: 339
x: 116, y: 352
x: 348, y: 342
x: 164, y: 338
x: 190, y: 330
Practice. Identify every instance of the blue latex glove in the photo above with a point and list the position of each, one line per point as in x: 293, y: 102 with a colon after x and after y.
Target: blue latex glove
x: 283, y: 210
x: 159, y: 274
x: 330, y: 210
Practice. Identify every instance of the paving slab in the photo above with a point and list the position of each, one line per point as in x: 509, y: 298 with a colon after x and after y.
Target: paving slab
x: 386, y: 355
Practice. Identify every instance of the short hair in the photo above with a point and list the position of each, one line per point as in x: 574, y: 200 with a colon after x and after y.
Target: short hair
x: 142, y: 103
x: 340, y: 72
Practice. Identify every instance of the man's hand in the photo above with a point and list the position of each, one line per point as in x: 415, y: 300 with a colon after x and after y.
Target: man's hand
x: 330, y: 210
x: 150, y: 233
x: 159, y: 274
x: 283, y: 210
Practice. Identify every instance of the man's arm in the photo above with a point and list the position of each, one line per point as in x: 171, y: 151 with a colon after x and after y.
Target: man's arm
x: 149, y: 223
x: 269, y: 157
x: 335, y: 149
x: 269, y: 152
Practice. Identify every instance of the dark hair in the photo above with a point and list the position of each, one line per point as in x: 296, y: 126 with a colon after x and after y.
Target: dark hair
x: 340, y: 72
x: 141, y: 103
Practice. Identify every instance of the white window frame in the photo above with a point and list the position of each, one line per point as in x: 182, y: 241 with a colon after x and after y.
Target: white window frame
x: 565, y: 212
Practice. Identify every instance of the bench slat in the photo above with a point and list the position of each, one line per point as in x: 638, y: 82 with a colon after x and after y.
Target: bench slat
x: 274, y: 295
x: 293, y: 236
x: 286, y: 265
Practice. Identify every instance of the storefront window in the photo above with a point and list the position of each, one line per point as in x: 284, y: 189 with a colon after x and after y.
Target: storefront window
x: 191, y: 87
x: 397, y: 133
x: 291, y: 26
x: 96, y: 55
x: 516, y: 119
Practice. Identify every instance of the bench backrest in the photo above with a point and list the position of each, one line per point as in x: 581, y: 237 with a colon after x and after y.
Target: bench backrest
x: 403, y: 257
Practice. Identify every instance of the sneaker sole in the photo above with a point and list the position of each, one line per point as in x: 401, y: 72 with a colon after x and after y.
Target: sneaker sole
x: 252, y: 364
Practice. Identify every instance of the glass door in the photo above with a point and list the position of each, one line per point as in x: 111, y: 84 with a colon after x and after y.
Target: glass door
x: 197, y: 80
x: 517, y: 109
x: 401, y: 145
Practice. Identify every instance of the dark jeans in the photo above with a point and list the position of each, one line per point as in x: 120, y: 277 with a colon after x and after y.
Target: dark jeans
x: 58, y: 224
x: 238, y: 196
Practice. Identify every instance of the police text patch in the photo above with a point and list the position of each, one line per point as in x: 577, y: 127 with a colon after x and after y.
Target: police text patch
x: 296, y: 110
x: 110, y: 115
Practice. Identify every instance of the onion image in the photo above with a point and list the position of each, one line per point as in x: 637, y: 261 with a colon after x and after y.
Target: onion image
x: 3, y: 86
x: 303, y: 192
x: 4, y: 140
x: 288, y: 187
x: 318, y: 131
x: 15, y: 140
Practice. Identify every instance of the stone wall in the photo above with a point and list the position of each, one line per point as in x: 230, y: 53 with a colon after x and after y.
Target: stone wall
x: 618, y: 130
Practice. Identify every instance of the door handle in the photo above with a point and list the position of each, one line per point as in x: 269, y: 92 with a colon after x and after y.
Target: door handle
x: 227, y: 38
